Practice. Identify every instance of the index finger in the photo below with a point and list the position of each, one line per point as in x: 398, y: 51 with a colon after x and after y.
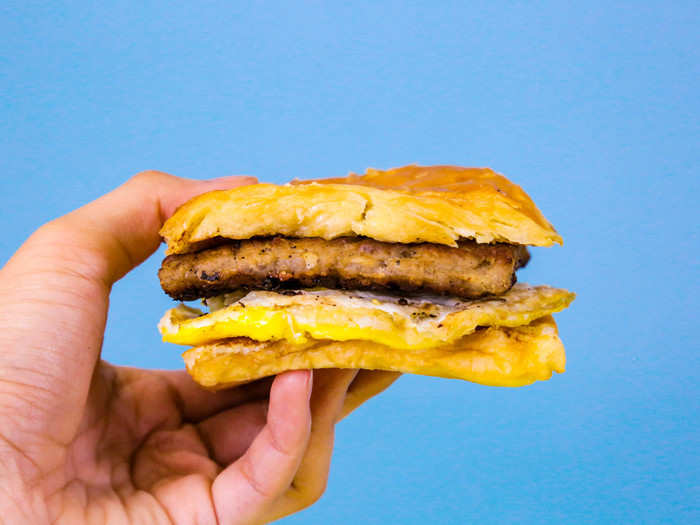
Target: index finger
x: 123, y: 225
x: 54, y: 293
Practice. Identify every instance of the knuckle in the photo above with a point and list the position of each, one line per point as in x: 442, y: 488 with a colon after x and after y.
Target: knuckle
x: 311, y: 493
x: 282, y: 450
x: 54, y: 236
x: 55, y: 228
x: 149, y: 176
x: 287, y: 446
x: 258, y: 486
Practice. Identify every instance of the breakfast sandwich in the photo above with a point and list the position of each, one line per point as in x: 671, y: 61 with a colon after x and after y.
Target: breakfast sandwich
x: 411, y: 269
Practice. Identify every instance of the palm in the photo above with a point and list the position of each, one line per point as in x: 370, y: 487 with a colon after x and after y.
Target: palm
x: 151, y: 446
x: 141, y: 449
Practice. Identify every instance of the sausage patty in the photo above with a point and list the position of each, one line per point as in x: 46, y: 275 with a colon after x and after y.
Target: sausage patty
x: 357, y: 263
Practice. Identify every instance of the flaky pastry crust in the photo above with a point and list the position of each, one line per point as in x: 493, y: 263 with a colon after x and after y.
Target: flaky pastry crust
x: 493, y: 356
x: 435, y: 204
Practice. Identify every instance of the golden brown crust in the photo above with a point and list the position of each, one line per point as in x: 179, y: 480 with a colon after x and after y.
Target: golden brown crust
x: 437, y: 204
x: 493, y: 356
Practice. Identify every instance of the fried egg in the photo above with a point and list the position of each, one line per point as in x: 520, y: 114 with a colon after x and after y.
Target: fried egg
x: 401, y: 322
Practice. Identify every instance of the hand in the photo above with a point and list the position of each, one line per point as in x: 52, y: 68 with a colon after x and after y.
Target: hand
x: 84, y: 441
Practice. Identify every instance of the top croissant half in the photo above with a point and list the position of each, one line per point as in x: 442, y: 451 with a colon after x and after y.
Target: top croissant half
x: 411, y: 204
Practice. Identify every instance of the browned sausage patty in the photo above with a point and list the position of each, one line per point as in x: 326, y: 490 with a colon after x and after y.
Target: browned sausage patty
x: 279, y: 263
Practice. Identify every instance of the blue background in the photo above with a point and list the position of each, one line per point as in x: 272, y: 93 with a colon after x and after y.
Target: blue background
x: 591, y: 106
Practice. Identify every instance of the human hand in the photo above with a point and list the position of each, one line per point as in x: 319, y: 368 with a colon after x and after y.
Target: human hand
x: 84, y: 441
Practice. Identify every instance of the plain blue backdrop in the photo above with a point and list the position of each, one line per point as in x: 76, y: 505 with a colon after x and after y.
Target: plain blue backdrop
x: 591, y: 106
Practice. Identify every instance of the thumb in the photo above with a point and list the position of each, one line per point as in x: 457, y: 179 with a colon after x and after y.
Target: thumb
x: 123, y: 225
x: 54, y: 295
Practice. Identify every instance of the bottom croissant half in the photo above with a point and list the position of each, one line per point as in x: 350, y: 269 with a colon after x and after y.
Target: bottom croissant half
x: 496, y: 356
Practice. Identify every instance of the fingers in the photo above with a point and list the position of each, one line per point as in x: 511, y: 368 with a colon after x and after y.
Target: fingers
x: 330, y: 387
x: 111, y: 235
x: 54, y: 294
x: 246, y: 490
x: 196, y: 403
x: 121, y: 228
x: 230, y: 433
x: 277, y: 494
x: 366, y: 385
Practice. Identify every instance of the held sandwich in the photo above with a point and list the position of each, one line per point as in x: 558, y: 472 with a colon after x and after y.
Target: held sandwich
x: 411, y: 270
